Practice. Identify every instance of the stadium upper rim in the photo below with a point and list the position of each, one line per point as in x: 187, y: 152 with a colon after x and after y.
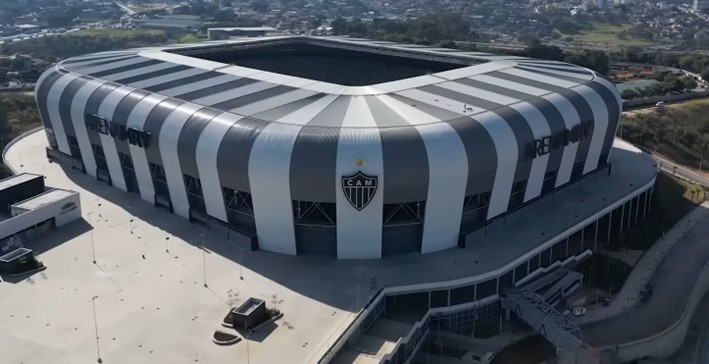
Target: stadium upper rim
x: 475, y: 65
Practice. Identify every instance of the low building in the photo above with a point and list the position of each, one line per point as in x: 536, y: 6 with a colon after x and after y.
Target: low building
x: 28, y: 209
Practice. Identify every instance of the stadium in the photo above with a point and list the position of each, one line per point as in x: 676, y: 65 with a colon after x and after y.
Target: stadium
x: 451, y: 186
x: 343, y: 147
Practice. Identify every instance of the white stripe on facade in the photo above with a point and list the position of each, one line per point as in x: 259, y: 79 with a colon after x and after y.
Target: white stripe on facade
x: 479, y: 93
x: 600, y: 125
x: 55, y: 93
x: 78, y: 118
x: 540, y: 129
x: 233, y: 93
x: 531, y: 90
x: 359, y: 233
x: 110, y: 66
x: 507, y: 152
x: 209, y: 82
x: 269, y: 173
x: 168, y: 138
x: 137, y: 119
x: 206, y: 156
x: 166, y: 78
x: 571, y: 119
x: 137, y: 71
x: 540, y: 78
x: 106, y: 110
x: 448, y: 176
x: 440, y: 101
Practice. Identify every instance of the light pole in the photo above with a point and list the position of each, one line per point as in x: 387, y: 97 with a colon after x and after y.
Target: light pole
x: 248, y: 354
x: 167, y: 238
x: 99, y: 210
x: 98, y: 350
x: 93, y: 249
x: 204, y: 261
x: 241, y: 275
x: 130, y: 222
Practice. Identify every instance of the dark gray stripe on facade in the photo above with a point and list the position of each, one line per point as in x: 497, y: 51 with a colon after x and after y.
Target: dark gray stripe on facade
x: 95, y: 58
x: 121, y: 114
x: 613, y: 117
x: 521, y: 129
x: 569, y: 78
x: 313, y: 163
x: 183, y: 81
x: 479, y: 146
x: 153, y: 124
x: 162, y: 72
x: 65, y: 101
x: 214, y: 89
x: 235, y: 149
x: 79, y: 68
x: 556, y: 125
x: 459, y: 96
x: 92, y: 106
x: 404, y: 154
x: 578, y: 102
x: 189, y: 136
x: 578, y: 71
x: 42, y: 97
x: 248, y: 99
x: 125, y: 68
x: 495, y: 89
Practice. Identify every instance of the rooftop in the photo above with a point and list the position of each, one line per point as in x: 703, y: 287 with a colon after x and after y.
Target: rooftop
x: 43, y: 199
x: 17, y: 179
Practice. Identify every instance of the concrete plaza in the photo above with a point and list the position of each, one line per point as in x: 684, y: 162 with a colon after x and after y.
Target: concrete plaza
x: 151, y: 303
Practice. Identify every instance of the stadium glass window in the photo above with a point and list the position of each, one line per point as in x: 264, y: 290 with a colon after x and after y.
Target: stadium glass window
x: 577, y: 171
x: 74, y: 146
x: 534, y: 263
x: 517, y: 195
x: 549, y: 181
x: 486, y: 289
x: 404, y: 213
x: 194, y: 186
x: 558, y: 252
x: 157, y: 172
x: 575, y: 244
x: 314, y: 213
x: 100, y: 157
x: 440, y: 298
x: 126, y: 161
x: 546, y: 258
x: 238, y: 201
x: 462, y: 295
x: 474, y: 211
x: 506, y: 281
x: 520, y: 271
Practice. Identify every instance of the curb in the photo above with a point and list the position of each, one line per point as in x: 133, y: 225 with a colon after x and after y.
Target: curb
x: 15, y: 140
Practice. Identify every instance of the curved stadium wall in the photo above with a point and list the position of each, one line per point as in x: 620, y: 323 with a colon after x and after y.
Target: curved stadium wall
x: 339, y: 146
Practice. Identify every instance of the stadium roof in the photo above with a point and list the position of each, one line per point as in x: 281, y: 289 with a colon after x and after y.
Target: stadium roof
x: 482, y: 82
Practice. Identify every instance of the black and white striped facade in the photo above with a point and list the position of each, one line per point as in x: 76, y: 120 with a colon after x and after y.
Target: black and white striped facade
x: 266, y: 153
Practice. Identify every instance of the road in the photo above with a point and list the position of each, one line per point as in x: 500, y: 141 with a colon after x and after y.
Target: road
x: 673, y: 280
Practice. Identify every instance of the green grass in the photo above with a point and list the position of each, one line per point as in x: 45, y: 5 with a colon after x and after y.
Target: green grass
x: 607, y: 33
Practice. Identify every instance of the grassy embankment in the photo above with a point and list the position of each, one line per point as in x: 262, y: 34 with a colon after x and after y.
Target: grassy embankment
x: 608, y: 33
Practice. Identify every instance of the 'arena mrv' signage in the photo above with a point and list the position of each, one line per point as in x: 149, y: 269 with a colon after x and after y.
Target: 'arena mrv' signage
x: 140, y: 138
x: 543, y: 146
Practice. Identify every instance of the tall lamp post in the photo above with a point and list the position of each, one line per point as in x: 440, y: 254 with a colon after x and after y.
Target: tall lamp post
x: 241, y: 275
x: 204, y: 261
x: 98, y: 350
x: 93, y: 249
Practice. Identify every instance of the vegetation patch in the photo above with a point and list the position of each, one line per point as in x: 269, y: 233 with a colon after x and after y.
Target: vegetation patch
x: 679, y: 132
x: 18, y: 114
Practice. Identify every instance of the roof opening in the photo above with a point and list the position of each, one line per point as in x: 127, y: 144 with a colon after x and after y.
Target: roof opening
x: 329, y: 61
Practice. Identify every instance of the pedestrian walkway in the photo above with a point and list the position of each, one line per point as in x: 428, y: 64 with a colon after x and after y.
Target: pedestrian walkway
x: 645, y: 268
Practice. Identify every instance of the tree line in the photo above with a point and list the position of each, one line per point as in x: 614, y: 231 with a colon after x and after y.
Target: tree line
x: 18, y: 113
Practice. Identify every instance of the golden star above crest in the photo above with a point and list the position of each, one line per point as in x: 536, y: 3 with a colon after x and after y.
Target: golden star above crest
x: 359, y: 162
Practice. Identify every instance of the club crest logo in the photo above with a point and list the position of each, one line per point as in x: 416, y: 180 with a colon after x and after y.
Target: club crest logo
x: 359, y: 189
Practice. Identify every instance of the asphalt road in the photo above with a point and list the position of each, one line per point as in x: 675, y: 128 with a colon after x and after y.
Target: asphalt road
x: 673, y: 281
